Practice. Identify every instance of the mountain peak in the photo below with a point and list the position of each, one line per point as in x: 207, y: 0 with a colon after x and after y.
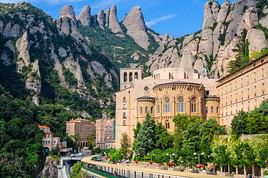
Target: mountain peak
x: 135, y: 25
x: 101, y: 18
x: 68, y: 11
x: 113, y: 20
x: 85, y: 16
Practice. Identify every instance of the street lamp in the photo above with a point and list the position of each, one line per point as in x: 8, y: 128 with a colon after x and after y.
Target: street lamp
x: 148, y: 154
x: 198, y: 155
x: 170, y: 155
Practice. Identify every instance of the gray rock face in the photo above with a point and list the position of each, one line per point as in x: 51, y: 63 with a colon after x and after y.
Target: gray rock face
x: 221, y: 33
x: 85, y: 16
x: 113, y: 21
x: 68, y: 27
x: 62, y: 52
x: 135, y: 25
x: 33, y: 82
x: 257, y: 40
x: 50, y: 169
x: 67, y: 11
x: 1, y: 26
x: 98, y: 68
x: 101, y: 18
x: 75, y: 68
x: 211, y: 11
x: 22, y: 46
x: 11, y: 30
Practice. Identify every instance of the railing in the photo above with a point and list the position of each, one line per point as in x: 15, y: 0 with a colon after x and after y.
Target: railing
x: 100, y: 172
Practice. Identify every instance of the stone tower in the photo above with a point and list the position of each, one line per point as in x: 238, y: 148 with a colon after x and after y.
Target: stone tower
x: 128, y: 75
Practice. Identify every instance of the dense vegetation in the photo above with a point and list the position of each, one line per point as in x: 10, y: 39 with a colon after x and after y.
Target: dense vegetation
x: 20, y: 139
x: 118, y: 49
x: 254, y: 122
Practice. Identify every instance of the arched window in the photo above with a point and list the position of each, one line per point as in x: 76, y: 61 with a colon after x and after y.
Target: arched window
x: 146, y: 109
x: 130, y: 76
x: 193, y: 104
x: 180, y: 104
x: 167, y: 105
x: 158, y: 108
x: 140, y: 109
x: 212, y: 109
x: 124, y: 99
x: 125, y: 76
x: 217, y: 109
x: 136, y: 76
x: 152, y: 109
x: 167, y: 124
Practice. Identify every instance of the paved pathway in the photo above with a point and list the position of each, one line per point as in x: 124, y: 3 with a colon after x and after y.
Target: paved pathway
x: 147, y: 170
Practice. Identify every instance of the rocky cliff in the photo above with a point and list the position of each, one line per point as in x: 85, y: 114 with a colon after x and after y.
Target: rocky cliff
x: 225, y: 29
x: 53, y: 59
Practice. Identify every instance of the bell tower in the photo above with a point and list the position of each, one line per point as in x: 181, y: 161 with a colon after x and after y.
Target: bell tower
x: 128, y: 75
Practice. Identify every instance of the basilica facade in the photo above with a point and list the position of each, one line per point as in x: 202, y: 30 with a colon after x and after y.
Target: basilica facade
x: 172, y: 91
x: 165, y: 94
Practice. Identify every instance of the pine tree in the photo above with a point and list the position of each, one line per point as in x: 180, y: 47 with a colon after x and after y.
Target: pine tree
x: 145, y: 141
x: 124, y: 150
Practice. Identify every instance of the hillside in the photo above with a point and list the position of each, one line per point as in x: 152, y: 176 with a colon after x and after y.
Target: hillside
x: 58, y: 64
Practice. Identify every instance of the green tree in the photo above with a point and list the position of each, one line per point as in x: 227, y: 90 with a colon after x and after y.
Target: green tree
x: 137, y: 129
x: 221, y: 155
x: 244, y: 155
x: 208, y: 130
x: 76, y: 170
x: 194, y: 135
x: 124, y: 150
x: 145, y: 141
x: 163, y: 139
x: 239, y: 124
x: 260, y: 147
x: 115, y: 155
x: 264, y: 107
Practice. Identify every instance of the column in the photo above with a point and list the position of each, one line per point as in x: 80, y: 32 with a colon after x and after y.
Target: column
x: 188, y: 106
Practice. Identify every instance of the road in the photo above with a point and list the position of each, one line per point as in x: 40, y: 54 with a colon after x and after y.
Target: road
x: 63, y: 173
x: 130, y: 171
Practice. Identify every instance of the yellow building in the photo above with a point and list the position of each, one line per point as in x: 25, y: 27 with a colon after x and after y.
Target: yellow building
x: 244, y: 89
x: 172, y: 91
x: 165, y: 94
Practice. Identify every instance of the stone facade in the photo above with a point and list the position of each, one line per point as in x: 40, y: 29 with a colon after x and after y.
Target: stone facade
x: 105, y: 133
x: 243, y: 90
x: 82, y: 128
x: 48, y: 141
x: 168, y: 92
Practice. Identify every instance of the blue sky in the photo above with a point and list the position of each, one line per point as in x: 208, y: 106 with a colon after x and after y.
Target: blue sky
x: 175, y: 17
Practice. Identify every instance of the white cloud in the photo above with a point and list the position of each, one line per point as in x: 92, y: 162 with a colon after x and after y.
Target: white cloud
x: 155, y: 21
